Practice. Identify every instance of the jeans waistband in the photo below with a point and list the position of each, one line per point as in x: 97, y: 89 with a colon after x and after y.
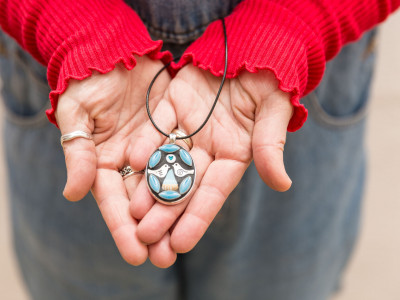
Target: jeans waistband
x: 180, y: 21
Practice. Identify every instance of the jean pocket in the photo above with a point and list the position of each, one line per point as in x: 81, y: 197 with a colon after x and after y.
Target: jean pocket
x: 24, y: 85
x: 341, y: 99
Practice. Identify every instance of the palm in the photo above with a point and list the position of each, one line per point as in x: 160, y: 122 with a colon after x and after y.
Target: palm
x: 222, y: 151
x: 112, y: 107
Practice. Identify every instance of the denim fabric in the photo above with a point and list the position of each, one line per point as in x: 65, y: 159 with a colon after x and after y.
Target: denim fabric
x: 180, y: 21
x: 262, y: 245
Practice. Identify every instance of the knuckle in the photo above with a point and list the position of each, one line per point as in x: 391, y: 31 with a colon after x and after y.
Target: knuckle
x: 278, y: 145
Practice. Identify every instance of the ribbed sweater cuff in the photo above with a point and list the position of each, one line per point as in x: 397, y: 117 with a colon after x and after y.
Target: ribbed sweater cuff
x: 73, y: 38
x: 291, y: 38
x: 261, y: 36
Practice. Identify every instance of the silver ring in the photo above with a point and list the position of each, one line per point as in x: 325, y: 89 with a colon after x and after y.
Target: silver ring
x: 181, y: 133
x: 172, y: 138
x: 74, y: 135
x: 127, y: 172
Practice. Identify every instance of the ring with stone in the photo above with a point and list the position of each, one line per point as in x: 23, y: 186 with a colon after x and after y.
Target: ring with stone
x: 127, y: 172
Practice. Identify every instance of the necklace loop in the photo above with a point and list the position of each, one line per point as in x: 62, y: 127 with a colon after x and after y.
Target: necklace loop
x: 172, y: 138
x: 216, y: 97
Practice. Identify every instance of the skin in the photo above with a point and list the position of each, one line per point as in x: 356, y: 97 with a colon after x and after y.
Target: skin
x: 248, y: 123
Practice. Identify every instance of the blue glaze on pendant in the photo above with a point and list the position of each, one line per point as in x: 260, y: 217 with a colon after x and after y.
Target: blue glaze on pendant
x: 185, y: 185
x: 185, y: 156
x: 169, y: 195
x: 154, y: 183
x: 154, y: 159
x: 169, y: 148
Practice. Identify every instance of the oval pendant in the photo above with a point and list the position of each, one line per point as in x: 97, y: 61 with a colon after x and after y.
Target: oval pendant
x: 170, y: 174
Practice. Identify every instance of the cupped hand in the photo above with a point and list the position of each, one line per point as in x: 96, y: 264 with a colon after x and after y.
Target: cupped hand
x: 249, y: 122
x: 111, y: 107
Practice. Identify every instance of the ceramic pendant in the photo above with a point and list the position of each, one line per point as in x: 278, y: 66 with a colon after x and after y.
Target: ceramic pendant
x: 170, y: 174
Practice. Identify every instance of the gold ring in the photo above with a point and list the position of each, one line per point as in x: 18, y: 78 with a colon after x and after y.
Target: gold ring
x: 181, y: 133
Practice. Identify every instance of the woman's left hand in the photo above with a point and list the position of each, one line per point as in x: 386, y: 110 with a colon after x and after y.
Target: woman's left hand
x: 249, y: 122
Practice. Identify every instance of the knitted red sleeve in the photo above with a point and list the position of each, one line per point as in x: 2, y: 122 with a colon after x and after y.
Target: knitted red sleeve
x: 292, y: 38
x: 72, y: 37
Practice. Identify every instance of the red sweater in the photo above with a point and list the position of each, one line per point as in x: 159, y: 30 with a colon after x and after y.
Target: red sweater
x: 292, y: 38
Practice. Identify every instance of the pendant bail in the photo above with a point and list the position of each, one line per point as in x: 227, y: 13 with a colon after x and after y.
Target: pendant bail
x: 172, y: 138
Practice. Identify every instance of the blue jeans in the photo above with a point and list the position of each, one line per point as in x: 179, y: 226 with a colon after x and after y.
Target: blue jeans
x: 262, y: 245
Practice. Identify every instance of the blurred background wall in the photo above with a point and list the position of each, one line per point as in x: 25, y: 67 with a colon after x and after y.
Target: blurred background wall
x: 374, y: 271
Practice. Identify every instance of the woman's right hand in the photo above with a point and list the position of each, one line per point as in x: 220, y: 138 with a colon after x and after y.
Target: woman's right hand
x: 112, y: 108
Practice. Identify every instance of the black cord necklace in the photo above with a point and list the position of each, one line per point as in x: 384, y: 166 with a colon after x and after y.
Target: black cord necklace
x: 170, y: 172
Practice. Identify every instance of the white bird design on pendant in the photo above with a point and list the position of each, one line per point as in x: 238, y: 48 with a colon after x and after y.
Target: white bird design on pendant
x: 180, y: 172
x: 161, y: 172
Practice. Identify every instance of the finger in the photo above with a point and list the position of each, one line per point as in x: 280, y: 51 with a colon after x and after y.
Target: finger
x: 80, y: 153
x: 80, y: 160
x: 146, y: 140
x: 161, y: 254
x: 269, y: 137
x: 132, y: 182
x: 159, y: 219
x: 144, y: 143
x: 112, y: 199
x: 206, y: 203
x: 141, y: 199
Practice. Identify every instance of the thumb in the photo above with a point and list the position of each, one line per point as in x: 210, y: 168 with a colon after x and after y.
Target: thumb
x: 269, y: 137
x: 80, y: 153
